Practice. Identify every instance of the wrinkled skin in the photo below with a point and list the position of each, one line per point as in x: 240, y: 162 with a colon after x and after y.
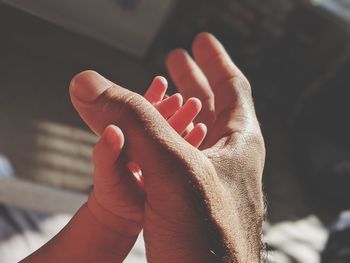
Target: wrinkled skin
x: 201, y: 206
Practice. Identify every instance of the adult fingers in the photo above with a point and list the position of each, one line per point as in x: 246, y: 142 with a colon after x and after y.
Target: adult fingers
x: 223, y: 75
x: 191, y: 82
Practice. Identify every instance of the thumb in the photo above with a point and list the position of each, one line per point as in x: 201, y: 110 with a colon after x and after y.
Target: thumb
x: 149, y: 139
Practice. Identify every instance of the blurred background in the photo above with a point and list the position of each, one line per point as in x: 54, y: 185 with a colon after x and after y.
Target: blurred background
x: 296, y: 54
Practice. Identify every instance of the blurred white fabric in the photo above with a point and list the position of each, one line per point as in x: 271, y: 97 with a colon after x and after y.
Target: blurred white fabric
x: 299, y: 241
x: 22, y: 232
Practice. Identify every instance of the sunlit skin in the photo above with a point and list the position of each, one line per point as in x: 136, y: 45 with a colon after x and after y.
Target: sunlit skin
x: 116, y: 189
x: 180, y: 119
x: 200, y: 205
x: 117, y: 199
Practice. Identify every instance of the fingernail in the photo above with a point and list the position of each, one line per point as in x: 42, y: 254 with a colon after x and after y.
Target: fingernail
x: 180, y: 98
x: 88, y: 85
x: 162, y: 80
x: 111, y: 134
x: 197, y: 104
x: 203, y: 127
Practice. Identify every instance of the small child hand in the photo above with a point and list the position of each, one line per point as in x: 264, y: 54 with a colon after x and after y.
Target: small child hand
x: 179, y: 117
x: 117, y: 199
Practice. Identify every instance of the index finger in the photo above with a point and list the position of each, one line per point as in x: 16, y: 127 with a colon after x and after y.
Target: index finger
x: 214, y: 60
x: 191, y: 82
x: 230, y: 87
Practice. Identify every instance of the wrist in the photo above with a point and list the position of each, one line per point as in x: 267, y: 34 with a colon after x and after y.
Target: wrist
x: 84, y: 239
x: 111, y: 244
x: 168, y: 241
x: 117, y: 224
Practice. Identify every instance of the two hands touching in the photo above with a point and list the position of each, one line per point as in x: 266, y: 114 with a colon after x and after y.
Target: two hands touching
x: 193, y: 205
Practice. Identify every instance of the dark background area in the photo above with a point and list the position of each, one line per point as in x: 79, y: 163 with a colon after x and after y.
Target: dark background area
x: 296, y: 56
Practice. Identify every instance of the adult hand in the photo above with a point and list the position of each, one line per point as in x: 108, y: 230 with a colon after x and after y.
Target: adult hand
x: 234, y: 143
x: 201, y: 206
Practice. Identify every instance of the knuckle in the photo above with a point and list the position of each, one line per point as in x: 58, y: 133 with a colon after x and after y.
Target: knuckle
x: 243, y: 85
x: 121, y: 101
x: 256, y: 151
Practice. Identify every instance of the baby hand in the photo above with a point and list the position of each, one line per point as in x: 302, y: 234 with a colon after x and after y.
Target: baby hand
x: 117, y: 199
x: 179, y: 117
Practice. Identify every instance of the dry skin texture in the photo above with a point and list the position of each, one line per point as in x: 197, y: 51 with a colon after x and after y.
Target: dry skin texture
x: 201, y: 206
x: 183, y: 184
